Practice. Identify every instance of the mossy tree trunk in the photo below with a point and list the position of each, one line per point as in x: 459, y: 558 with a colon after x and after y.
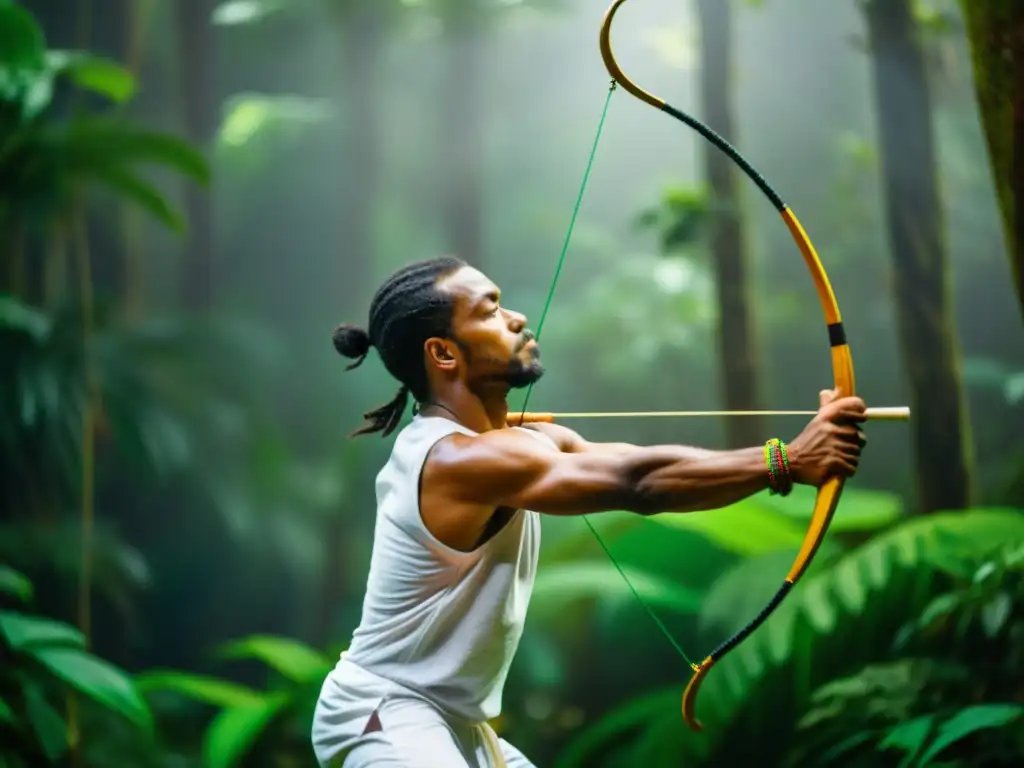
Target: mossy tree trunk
x: 921, y: 263
x: 362, y: 30
x: 362, y: 27
x: 197, y: 54
x: 462, y: 138
x: 738, y: 361
x: 995, y: 29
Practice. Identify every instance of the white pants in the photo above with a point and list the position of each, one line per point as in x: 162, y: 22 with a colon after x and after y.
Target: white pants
x: 414, y: 735
x: 413, y: 732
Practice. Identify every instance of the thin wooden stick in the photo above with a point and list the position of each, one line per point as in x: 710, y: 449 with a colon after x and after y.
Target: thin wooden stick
x: 901, y: 413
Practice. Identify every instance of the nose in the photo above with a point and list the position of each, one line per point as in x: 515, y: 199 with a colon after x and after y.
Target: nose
x: 516, y: 321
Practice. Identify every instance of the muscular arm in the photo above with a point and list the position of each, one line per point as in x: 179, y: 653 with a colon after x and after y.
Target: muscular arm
x: 507, y: 468
x: 569, y: 441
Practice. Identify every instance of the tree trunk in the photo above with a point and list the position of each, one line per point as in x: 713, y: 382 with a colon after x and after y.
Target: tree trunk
x: 738, y: 361
x: 362, y: 35
x: 133, y: 276
x: 996, y: 32
x: 197, y: 52
x: 921, y: 264
x: 362, y: 30
x: 462, y: 140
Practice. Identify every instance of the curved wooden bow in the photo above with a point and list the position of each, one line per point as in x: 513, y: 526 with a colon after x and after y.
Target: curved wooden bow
x: 842, y: 364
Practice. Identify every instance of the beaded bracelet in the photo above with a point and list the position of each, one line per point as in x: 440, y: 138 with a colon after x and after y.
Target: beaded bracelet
x: 779, y: 478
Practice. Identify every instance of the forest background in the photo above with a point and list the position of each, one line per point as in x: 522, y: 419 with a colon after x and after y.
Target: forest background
x: 193, y: 194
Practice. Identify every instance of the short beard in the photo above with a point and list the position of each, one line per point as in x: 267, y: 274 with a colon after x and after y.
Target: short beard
x: 515, y: 374
x: 520, y: 375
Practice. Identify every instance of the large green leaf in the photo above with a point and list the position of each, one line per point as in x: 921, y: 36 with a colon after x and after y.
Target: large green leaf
x: 766, y: 523
x: 28, y: 72
x: 15, y: 584
x: 844, y: 617
x: 97, y: 679
x: 47, y: 163
x: 22, y: 46
x: 235, y: 730
x: 296, y: 661
x: 94, y: 73
x: 909, y: 736
x: 209, y: 690
x: 557, y: 586
x: 250, y: 116
x: 710, y: 540
x: 95, y: 142
x: 46, y: 722
x: 740, y: 593
x: 967, y: 722
x: 50, y: 161
x: 23, y: 633
x: 131, y: 188
x: 746, y: 528
x: 860, y: 510
x: 17, y: 317
x: 833, y: 623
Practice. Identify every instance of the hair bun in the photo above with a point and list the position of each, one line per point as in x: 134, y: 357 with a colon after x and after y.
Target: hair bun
x: 352, y: 342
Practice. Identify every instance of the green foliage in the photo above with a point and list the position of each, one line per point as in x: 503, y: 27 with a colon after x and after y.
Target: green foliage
x: 29, y: 72
x: 291, y: 659
x: 15, y: 584
x: 678, y: 220
x: 961, y: 674
x: 864, y: 595
x: 581, y: 601
x: 641, y: 312
x: 979, y: 608
x: 259, y: 129
x: 167, y: 386
x: 924, y: 739
x: 177, y: 405
x: 249, y: 115
x: 44, y: 660
x: 183, y: 452
x: 559, y: 585
x: 751, y: 543
x: 237, y: 12
x: 44, y: 162
x: 120, y: 571
x: 245, y: 714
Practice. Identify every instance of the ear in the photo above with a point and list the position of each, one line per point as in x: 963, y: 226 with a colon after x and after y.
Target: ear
x: 441, y: 353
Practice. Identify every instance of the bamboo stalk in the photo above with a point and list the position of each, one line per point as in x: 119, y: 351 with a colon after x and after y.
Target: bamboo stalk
x: 80, y: 249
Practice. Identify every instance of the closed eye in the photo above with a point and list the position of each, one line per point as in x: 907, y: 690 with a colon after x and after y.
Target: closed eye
x: 490, y: 304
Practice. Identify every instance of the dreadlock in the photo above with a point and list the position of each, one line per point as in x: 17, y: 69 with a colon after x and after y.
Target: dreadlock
x: 407, y: 310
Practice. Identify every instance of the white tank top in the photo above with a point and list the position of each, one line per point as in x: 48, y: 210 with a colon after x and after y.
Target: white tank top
x: 436, y: 620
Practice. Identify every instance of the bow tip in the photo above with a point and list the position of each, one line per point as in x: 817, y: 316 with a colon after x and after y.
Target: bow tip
x: 690, y: 696
x: 689, y: 716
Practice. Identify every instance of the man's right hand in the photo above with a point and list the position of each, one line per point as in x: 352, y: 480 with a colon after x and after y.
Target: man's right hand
x: 831, y: 444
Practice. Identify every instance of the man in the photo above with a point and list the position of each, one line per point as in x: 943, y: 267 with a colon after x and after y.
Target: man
x: 458, y: 518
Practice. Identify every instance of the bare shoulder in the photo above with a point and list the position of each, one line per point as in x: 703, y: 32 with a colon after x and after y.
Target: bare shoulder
x: 484, y: 468
x: 567, y: 440
x: 469, y: 476
x: 497, y: 449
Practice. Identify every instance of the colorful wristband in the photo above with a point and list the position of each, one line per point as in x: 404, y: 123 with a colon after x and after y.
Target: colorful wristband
x: 780, y: 480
